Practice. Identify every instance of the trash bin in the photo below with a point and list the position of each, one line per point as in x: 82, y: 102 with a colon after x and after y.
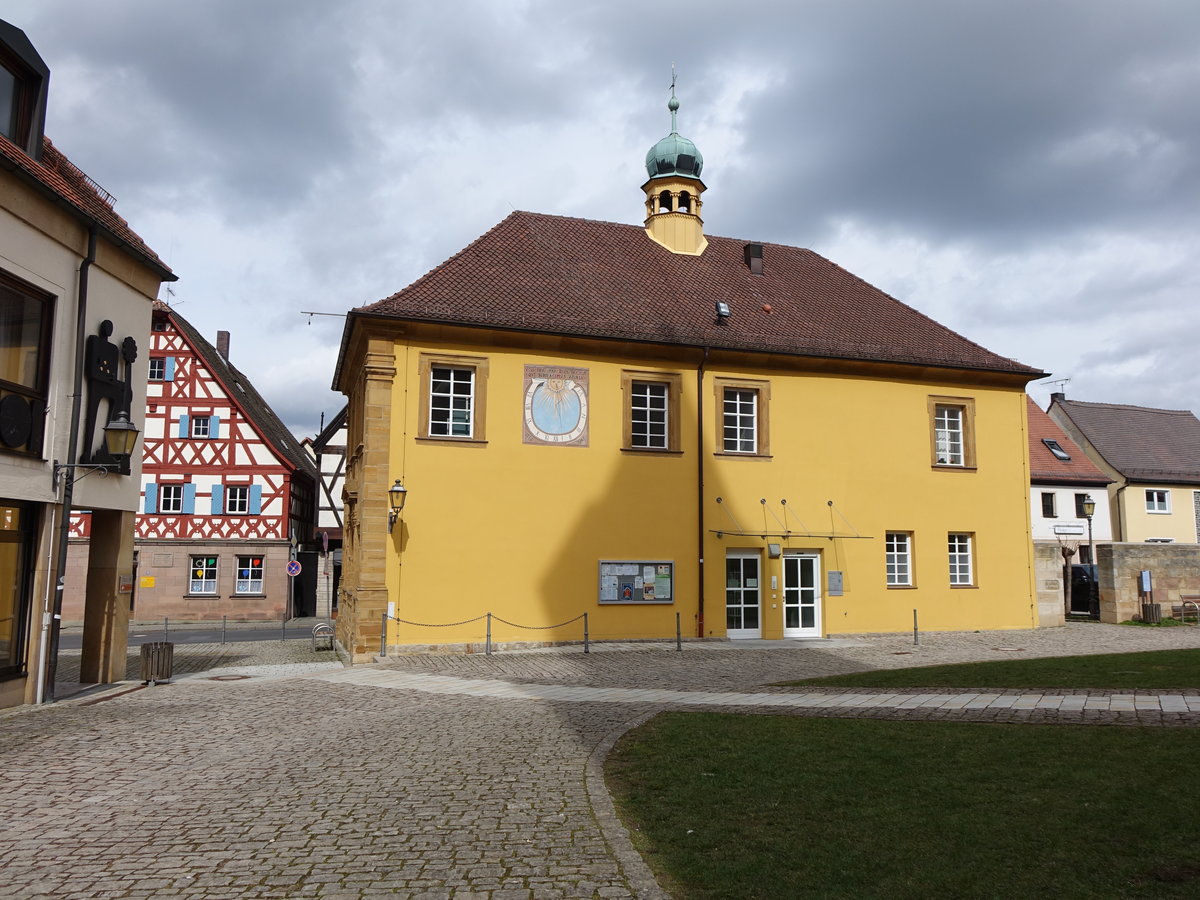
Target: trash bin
x: 1152, y: 612
x: 158, y: 661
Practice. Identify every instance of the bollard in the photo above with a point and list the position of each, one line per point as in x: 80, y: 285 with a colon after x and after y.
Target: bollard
x: 383, y: 634
x: 166, y: 636
x: 223, y: 618
x: 916, y: 636
x: 487, y: 649
x: 586, y: 647
x: 678, y: 635
x: 284, y: 624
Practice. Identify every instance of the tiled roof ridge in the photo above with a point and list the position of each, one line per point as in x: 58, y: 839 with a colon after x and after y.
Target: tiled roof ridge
x: 1150, y: 409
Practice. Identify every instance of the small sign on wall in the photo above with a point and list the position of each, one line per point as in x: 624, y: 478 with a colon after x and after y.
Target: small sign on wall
x: 835, y: 583
x: 146, y: 581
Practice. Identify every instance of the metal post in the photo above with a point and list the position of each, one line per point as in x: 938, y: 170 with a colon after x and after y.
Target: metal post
x: 223, y: 618
x: 166, y: 637
x: 283, y: 623
x: 586, y: 646
x: 383, y: 634
x: 916, y: 635
x: 678, y: 635
x: 487, y: 650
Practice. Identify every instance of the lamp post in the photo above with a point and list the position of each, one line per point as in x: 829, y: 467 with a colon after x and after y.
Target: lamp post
x: 1089, y: 510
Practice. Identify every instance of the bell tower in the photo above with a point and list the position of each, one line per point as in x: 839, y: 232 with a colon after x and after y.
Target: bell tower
x: 673, y: 190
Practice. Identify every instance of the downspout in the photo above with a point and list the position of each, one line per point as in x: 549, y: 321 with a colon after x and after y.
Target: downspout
x: 1121, y: 535
x: 64, y: 525
x: 700, y: 493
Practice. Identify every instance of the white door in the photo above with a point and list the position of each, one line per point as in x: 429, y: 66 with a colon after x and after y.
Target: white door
x: 801, y: 595
x: 742, y: 606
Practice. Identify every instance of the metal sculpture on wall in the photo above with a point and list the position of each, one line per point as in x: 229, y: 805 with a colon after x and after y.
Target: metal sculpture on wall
x: 101, y: 361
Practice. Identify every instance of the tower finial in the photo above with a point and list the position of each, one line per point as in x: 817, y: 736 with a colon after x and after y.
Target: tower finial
x: 673, y: 103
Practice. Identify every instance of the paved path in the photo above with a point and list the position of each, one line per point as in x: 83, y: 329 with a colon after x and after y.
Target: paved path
x: 429, y: 776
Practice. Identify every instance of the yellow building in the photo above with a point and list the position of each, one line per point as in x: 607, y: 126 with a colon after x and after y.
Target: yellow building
x: 664, y: 429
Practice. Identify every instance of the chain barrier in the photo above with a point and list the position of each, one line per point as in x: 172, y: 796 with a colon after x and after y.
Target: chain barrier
x: 490, y: 616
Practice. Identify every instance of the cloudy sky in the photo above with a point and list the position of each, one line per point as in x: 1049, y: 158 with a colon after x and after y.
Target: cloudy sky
x: 1027, y: 172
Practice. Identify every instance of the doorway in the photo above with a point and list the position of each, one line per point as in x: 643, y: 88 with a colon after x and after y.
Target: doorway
x: 742, y: 605
x: 802, y: 595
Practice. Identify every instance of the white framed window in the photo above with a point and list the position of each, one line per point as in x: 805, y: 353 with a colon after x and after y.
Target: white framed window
x: 203, y: 576
x: 200, y: 426
x: 1158, y: 501
x: 961, y: 567
x: 158, y: 368
x: 649, y: 415
x: 740, y: 421
x: 948, y: 431
x: 1049, y: 505
x: 898, y: 555
x: 170, y: 498
x: 237, y: 499
x: 249, y: 575
x: 451, y: 401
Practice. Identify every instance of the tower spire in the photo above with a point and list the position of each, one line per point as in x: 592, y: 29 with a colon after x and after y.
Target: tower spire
x: 674, y: 188
x: 673, y: 103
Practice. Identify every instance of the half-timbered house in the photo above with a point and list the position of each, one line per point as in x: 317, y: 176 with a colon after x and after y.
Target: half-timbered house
x: 228, y: 495
x: 328, y: 452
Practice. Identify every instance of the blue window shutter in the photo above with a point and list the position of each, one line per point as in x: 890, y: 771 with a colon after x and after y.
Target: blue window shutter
x: 214, y: 427
x: 217, y: 491
x: 255, y: 499
x: 168, y: 368
x: 183, y: 425
x: 189, y: 499
x: 151, y: 498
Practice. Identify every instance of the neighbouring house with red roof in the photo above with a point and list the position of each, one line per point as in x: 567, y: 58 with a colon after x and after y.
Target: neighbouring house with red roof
x: 76, y: 287
x: 643, y: 430
x: 228, y: 494
x: 1063, y: 481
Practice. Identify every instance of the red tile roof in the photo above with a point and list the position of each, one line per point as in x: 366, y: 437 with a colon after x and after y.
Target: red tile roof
x: 1145, y: 445
x: 1044, y: 466
x: 557, y: 275
x: 57, y: 176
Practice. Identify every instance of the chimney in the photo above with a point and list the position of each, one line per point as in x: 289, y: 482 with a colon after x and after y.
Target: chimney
x: 1057, y: 397
x: 754, y: 258
x: 223, y: 344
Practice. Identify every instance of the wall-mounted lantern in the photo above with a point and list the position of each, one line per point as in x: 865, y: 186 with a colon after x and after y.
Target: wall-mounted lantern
x: 397, y: 494
x: 120, y: 437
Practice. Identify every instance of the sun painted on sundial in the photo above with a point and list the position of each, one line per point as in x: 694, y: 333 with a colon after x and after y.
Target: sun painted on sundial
x: 556, y: 405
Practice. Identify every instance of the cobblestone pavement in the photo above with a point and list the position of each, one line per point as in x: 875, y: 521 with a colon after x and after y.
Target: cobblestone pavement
x: 326, y: 785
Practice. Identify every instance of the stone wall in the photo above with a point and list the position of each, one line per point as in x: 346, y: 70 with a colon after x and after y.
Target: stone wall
x: 1174, y: 570
x: 1048, y: 570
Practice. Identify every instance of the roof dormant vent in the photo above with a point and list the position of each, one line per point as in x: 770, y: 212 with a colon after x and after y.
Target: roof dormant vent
x: 754, y: 258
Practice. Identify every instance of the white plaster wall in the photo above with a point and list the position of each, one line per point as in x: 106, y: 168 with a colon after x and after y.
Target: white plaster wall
x: 1043, y: 528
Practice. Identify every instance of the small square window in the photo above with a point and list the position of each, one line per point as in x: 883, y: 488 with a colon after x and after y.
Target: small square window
x: 1158, y: 501
x: 170, y: 498
x: 203, y: 576
x: 158, y: 368
x: 237, y: 499
x: 249, y: 575
x: 200, y: 426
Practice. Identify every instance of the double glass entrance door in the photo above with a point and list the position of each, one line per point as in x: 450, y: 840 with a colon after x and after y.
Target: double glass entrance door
x: 801, y: 595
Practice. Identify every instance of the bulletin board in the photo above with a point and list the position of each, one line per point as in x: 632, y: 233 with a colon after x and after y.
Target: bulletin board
x: 636, y: 582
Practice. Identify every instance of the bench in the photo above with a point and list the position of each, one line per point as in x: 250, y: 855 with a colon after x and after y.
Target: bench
x: 1188, y: 605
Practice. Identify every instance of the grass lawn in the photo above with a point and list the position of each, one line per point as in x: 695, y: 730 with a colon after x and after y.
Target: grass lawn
x: 730, y: 806
x: 1150, y: 670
